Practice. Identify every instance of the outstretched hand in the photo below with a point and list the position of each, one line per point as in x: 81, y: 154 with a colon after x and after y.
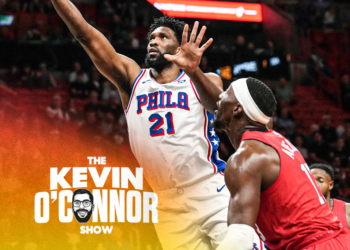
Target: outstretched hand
x: 189, y: 57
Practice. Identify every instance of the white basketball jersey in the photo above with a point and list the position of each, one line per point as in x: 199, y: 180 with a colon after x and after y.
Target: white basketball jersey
x: 170, y: 133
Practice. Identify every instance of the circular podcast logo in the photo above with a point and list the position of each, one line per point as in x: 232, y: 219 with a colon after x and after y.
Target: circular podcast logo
x: 82, y: 205
x: 120, y: 202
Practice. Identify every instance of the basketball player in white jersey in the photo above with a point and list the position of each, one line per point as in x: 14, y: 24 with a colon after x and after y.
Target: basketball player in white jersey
x: 167, y: 109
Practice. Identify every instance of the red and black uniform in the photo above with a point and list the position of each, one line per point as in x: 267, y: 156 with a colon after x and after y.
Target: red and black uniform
x: 293, y: 213
x: 339, y: 211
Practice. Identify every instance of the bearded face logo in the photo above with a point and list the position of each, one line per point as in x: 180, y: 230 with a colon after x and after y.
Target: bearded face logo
x: 82, y: 205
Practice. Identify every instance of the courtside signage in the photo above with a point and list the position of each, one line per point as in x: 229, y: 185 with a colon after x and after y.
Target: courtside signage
x: 232, y: 11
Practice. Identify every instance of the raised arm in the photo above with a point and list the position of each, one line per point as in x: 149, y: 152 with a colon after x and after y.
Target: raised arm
x: 209, y: 86
x: 119, y: 69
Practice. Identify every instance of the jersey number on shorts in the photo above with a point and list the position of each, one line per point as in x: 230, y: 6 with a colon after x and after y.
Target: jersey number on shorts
x: 305, y: 169
x: 158, y: 120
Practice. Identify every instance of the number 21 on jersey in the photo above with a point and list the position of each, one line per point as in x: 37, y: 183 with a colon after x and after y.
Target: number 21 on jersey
x: 156, y: 130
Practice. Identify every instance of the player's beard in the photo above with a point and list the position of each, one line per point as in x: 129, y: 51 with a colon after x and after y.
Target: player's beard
x: 159, y: 63
x: 85, y: 219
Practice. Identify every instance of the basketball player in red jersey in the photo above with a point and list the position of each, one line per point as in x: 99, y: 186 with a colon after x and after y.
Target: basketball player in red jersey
x: 272, y: 189
x: 324, y: 176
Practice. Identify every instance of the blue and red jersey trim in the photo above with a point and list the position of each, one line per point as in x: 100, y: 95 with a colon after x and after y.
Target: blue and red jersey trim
x: 178, y: 78
x: 195, y: 91
x: 213, y: 143
x: 134, y: 85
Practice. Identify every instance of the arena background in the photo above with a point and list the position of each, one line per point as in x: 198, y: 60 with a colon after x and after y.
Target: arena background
x: 56, y: 108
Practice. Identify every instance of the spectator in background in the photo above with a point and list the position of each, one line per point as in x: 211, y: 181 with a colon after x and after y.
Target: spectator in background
x: 34, y: 6
x: 93, y: 105
x: 56, y: 35
x: 346, y: 138
x: 319, y: 150
x: 339, y: 150
x: 285, y: 121
x: 12, y: 6
x: 314, y: 128
x: 72, y: 114
x: 298, y: 132
x: 44, y: 79
x: 74, y: 74
x: 106, y: 126
x: 114, y: 107
x: 106, y: 9
x: 34, y: 34
x: 299, y: 144
x: 6, y: 33
x: 316, y: 17
x: 204, y: 65
x: 54, y: 112
x: 283, y: 91
x: 27, y: 77
x: 341, y: 129
x: 302, y: 18
x: 96, y: 82
x: 89, y: 130
x: 316, y: 63
x: 79, y: 88
x: 270, y: 48
x: 250, y: 53
x: 329, y: 19
x: 107, y: 90
x: 124, y: 11
x: 240, y: 49
x: 12, y: 78
x: 117, y: 30
x: 48, y: 7
x: 328, y: 132
x: 134, y: 41
x: 345, y: 91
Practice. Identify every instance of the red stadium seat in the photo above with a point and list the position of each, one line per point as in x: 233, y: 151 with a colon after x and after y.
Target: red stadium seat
x: 318, y: 37
x: 42, y: 20
x: 25, y: 21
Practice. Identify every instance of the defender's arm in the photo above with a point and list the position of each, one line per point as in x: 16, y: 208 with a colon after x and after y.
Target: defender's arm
x: 247, y: 174
x: 119, y: 69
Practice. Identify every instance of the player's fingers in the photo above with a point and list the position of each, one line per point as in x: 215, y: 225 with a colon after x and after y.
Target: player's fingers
x: 185, y: 34
x: 200, y: 35
x: 194, y: 32
x: 206, y: 45
x: 169, y: 57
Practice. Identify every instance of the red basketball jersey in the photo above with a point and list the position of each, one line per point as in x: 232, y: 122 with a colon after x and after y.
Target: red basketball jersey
x: 339, y: 211
x: 293, y: 212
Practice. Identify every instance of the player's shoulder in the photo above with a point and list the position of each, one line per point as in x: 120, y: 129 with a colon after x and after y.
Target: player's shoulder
x: 216, y: 79
x: 252, y: 155
x: 256, y: 148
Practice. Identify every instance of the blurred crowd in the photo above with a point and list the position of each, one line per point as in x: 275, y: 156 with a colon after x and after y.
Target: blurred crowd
x: 121, y: 21
x: 126, y: 23
x: 316, y: 15
x: 29, y: 78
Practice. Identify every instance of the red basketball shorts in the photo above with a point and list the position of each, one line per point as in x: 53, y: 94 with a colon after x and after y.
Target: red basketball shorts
x: 340, y: 242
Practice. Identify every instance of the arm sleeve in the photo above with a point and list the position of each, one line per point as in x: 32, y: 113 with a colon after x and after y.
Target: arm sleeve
x: 238, y: 237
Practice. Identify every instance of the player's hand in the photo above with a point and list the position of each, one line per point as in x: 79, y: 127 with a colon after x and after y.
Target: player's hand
x: 189, y: 57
